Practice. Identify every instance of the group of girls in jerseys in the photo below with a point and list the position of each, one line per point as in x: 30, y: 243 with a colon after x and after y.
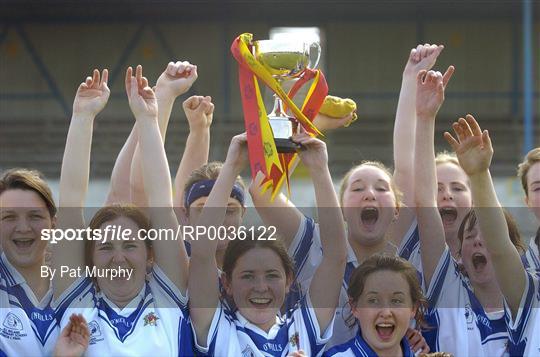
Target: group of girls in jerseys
x: 398, y: 264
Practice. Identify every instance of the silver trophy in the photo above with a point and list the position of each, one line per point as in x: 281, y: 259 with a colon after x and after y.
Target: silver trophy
x: 285, y: 60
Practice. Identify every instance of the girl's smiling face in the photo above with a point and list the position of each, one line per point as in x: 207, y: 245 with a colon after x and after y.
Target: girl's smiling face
x: 126, y: 254
x: 23, y: 215
x: 258, y: 286
x: 384, y: 310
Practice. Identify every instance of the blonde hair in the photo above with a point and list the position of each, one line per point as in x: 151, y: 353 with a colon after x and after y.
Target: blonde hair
x: 530, y: 159
x: 445, y: 157
x: 398, y: 195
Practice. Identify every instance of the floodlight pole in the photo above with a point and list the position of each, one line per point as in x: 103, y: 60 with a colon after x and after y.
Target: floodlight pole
x: 528, y: 127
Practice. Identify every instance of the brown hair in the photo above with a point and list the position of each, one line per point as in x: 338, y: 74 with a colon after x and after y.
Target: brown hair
x: 530, y: 159
x: 109, y: 213
x: 470, y: 220
x: 385, y: 262
x: 345, y: 181
x: 237, y: 248
x: 209, y: 171
x: 28, y: 180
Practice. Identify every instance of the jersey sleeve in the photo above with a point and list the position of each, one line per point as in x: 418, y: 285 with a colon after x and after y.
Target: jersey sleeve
x: 164, y: 291
x: 521, y: 325
x: 306, y: 252
x: 74, y: 296
x: 446, y: 284
x: 310, y: 337
x: 221, y: 338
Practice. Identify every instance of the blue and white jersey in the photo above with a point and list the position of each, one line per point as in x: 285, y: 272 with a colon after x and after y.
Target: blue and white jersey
x: 525, y: 327
x: 359, y: 347
x: 27, y: 326
x: 231, y: 334
x: 155, y: 322
x: 531, y: 258
x: 460, y: 324
x: 306, y: 252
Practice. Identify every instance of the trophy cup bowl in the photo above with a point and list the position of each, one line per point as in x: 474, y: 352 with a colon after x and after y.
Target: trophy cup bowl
x: 285, y: 60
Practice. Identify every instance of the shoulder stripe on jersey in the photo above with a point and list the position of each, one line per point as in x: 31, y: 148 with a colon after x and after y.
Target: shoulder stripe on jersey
x: 62, y: 305
x: 412, y: 238
x: 5, y: 272
x: 301, y: 252
x: 168, y: 291
x: 433, y: 297
x: 527, y: 306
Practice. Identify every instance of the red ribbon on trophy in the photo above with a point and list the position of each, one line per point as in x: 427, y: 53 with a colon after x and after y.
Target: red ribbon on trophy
x: 263, y: 154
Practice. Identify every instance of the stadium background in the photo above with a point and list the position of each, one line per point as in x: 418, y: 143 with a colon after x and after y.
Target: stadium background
x: 48, y: 48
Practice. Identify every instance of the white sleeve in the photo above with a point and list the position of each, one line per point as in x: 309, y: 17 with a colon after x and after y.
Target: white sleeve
x: 73, y: 297
x: 221, y: 338
x: 312, y: 340
x: 164, y: 291
x: 306, y: 252
x: 446, y: 285
x: 519, y: 326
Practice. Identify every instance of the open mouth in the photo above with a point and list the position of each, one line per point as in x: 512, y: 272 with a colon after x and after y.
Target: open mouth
x: 23, y: 243
x: 369, y: 216
x: 260, y: 302
x: 479, y: 261
x: 448, y: 215
x: 385, y: 330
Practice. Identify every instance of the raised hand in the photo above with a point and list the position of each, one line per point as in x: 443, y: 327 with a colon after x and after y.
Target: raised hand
x: 313, y: 153
x: 473, y: 146
x: 92, y: 95
x: 423, y: 57
x: 199, y: 112
x: 74, y: 338
x: 177, y: 78
x: 238, y: 153
x: 430, y: 91
x: 142, y: 99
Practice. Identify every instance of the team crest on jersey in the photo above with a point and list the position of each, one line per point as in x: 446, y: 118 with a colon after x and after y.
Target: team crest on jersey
x: 12, y: 327
x: 150, y: 319
x: 95, y: 332
x: 248, y: 352
x: 469, y: 316
x: 13, y: 322
x: 295, y: 340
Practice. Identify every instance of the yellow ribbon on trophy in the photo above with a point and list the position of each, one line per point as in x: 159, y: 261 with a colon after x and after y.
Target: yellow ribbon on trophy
x: 276, y: 167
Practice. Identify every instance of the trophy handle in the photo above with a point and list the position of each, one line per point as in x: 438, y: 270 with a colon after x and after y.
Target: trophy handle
x: 317, y: 47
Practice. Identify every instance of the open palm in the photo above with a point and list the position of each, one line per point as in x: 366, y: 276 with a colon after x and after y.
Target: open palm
x: 472, y: 146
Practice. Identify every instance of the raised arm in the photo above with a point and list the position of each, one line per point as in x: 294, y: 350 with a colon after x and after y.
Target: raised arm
x: 92, y: 96
x: 169, y: 255
x: 199, y: 112
x: 326, y: 285
x: 429, y: 98
x: 474, y: 151
x: 119, y: 187
x: 423, y: 57
x: 280, y: 213
x: 175, y: 80
x: 203, y: 279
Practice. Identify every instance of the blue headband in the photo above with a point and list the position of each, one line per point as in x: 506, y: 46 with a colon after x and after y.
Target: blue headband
x: 203, y: 189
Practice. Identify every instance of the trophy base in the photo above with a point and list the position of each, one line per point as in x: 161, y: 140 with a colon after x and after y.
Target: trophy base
x: 286, y: 146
